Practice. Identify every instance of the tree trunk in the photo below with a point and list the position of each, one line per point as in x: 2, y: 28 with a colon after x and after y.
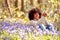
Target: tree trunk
x: 39, y: 1
x: 5, y: 5
x: 22, y: 5
x: 16, y: 3
x: 31, y: 2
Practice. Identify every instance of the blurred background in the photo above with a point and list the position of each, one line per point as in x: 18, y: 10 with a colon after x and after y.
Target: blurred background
x: 14, y: 10
x: 14, y: 13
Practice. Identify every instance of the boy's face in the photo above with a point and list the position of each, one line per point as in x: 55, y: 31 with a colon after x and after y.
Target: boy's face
x: 36, y: 16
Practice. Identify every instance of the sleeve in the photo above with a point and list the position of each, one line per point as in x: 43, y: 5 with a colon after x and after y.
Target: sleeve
x: 43, y: 20
x: 32, y: 23
x: 46, y: 21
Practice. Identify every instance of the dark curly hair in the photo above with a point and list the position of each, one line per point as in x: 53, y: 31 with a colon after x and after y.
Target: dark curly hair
x: 32, y: 12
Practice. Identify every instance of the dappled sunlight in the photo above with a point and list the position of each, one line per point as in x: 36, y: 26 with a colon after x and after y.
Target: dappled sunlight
x: 15, y: 23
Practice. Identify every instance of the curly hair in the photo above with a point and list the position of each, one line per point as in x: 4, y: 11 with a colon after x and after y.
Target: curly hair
x: 32, y: 12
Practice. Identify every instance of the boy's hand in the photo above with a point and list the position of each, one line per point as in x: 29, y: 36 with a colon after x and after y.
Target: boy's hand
x: 44, y: 14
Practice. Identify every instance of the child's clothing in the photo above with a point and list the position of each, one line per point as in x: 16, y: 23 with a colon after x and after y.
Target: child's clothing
x: 42, y: 20
x: 43, y: 24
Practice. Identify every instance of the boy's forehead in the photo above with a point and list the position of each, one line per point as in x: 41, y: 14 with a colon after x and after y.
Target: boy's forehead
x: 36, y: 13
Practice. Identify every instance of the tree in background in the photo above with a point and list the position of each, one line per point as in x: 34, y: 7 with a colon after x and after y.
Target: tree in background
x: 39, y: 1
x: 22, y: 5
x: 6, y: 8
x: 31, y: 2
x: 5, y: 5
x: 16, y: 3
